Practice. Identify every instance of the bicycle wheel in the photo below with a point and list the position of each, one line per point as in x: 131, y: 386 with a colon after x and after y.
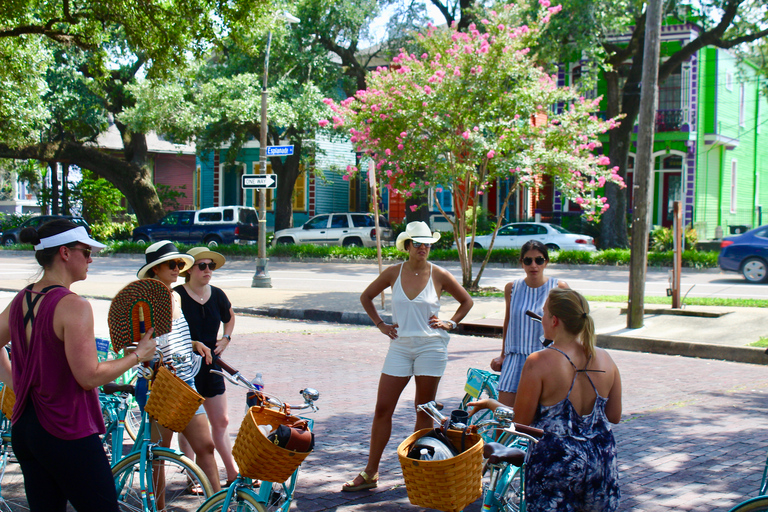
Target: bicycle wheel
x: 133, y: 415
x: 509, y: 489
x: 759, y: 504
x: 181, y: 476
x: 13, y: 496
x: 243, y: 501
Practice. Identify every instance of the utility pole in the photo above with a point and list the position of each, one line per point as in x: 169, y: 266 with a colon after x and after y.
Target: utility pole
x: 643, y: 177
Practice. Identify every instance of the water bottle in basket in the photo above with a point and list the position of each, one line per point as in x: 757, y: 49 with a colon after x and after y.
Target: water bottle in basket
x: 253, y: 398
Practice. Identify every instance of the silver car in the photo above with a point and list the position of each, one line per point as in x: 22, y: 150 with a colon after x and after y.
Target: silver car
x: 556, y: 238
x: 347, y: 229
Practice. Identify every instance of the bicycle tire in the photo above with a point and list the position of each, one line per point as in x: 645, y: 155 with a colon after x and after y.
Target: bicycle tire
x: 13, y: 496
x: 244, y: 501
x: 179, y: 472
x: 759, y: 504
x: 508, y: 490
x: 133, y: 414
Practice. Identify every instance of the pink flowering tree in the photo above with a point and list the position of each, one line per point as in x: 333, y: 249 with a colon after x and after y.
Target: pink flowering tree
x: 472, y: 109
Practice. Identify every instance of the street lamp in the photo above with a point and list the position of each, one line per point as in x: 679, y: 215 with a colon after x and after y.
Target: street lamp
x: 261, y: 278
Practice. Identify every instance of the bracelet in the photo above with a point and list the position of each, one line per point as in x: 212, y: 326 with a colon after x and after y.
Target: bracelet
x: 378, y: 324
x: 138, y: 359
x: 229, y: 338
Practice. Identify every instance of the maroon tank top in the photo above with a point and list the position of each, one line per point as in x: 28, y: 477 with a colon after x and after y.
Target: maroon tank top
x: 42, y: 374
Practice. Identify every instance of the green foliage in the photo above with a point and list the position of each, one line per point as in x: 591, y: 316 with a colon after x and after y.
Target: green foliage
x: 12, y: 220
x: 113, y: 231
x: 485, y: 225
x: 169, y: 196
x: 662, y: 239
x: 612, y: 257
x: 572, y: 257
x: 100, y: 199
x: 445, y: 242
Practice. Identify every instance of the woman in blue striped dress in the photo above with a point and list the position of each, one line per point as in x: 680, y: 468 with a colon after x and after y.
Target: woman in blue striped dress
x: 522, y: 335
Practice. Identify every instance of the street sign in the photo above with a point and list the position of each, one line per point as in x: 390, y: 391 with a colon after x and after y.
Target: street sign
x: 259, y: 181
x: 280, y: 150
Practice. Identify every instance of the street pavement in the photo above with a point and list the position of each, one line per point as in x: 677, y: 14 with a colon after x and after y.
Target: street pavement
x: 692, y: 434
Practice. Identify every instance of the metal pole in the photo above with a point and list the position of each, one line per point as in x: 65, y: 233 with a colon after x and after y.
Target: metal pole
x: 677, y: 262
x: 643, y: 181
x: 261, y: 278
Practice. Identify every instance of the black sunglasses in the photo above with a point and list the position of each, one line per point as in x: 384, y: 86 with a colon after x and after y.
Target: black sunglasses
x: 172, y: 264
x: 419, y: 244
x: 211, y: 266
x: 540, y: 260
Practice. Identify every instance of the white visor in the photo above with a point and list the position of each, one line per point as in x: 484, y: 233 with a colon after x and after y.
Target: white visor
x: 78, y: 234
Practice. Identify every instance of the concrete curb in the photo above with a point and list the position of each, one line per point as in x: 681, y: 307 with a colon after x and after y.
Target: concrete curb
x: 315, y: 315
x: 752, y: 355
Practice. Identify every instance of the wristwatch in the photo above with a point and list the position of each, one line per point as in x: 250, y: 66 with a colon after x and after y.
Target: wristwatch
x: 452, y: 323
x: 229, y: 338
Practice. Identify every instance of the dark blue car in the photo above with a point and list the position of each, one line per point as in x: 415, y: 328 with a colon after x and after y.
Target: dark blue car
x: 747, y: 253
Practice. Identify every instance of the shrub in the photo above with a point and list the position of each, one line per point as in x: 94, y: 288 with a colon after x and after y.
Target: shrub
x: 115, y: 231
x: 611, y: 257
x: 12, y: 220
x: 572, y: 257
x: 662, y: 239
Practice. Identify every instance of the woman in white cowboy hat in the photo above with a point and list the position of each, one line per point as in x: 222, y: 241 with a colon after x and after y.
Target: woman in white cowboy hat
x: 206, y: 308
x: 57, y: 417
x: 164, y: 263
x: 418, y: 338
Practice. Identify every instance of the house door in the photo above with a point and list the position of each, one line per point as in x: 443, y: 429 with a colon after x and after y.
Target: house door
x: 672, y: 192
x: 233, y: 193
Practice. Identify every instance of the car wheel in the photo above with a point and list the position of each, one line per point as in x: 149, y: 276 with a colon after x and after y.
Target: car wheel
x: 477, y: 246
x: 8, y: 241
x: 552, y: 247
x: 353, y: 242
x: 212, y: 242
x: 754, y: 270
x: 141, y: 239
x: 284, y: 240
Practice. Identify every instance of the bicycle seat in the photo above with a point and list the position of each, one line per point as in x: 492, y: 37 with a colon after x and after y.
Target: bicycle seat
x: 113, y: 387
x: 497, y: 453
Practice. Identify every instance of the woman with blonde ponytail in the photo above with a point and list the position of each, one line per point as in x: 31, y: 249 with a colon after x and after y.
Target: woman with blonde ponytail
x: 571, y: 390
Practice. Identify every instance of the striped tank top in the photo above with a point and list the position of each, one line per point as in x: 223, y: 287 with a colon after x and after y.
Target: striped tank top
x: 524, y: 333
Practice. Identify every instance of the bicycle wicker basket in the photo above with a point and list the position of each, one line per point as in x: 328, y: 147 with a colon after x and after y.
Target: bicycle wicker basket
x: 7, y: 401
x: 256, y: 456
x: 449, y: 485
x: 172, y: 402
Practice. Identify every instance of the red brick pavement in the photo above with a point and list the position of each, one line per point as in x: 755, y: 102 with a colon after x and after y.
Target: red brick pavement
x: 691, y: 436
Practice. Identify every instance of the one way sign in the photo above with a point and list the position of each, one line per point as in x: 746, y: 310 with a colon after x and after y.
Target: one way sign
x: 259, y: 180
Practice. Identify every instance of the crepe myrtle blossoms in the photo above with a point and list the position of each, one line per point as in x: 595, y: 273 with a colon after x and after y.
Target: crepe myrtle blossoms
x: 473, y: 108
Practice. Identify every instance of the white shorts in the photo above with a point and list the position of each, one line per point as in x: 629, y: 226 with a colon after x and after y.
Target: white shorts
x: 410, y: 356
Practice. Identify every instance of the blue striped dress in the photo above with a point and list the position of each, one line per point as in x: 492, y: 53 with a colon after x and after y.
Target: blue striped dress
x: 523, y: 333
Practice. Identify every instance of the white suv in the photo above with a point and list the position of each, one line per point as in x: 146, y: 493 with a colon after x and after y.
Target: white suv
x: 347, y: 229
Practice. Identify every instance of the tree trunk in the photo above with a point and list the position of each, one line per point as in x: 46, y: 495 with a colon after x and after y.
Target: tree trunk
x: 65, y: 210
x: 54, y: 187
x: 287, y: 173
x: 133, y: 181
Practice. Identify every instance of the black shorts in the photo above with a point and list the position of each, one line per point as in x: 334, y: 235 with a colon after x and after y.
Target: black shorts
x: 209, y: 384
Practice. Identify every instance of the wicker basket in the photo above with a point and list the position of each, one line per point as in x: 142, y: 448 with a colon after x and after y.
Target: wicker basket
x: 256, y: 456
x: 171, y: 401
x: 449, y: 485
x: 7, y: 401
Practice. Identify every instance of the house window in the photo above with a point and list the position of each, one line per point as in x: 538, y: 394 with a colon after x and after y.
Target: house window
x: 443, y: 196
x: 729, y: 81
x: 742, y: 101
x: 733, y: 186
x: 300, y: 191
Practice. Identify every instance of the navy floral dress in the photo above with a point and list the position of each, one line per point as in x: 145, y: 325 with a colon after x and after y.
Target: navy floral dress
x: 573, y: 467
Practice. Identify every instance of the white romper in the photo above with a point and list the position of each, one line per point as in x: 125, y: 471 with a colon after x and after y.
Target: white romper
x: 419, y: 349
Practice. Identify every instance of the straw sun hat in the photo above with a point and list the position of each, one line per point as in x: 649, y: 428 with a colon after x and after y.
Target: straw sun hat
x: 417, y: 231
x: 163, y: 251
x: 203, y: 253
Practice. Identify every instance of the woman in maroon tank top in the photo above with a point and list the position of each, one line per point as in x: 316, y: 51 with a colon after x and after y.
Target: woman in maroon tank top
x: 57, y: 417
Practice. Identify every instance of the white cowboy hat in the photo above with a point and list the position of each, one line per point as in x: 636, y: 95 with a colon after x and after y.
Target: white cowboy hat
x: 163, y: 251
x: 417, y: 231
x: 204, y: 253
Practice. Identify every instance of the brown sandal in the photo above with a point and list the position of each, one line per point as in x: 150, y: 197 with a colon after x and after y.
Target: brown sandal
x: 368, y: 483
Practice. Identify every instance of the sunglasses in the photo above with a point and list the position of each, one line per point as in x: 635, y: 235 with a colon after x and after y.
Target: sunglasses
x: 211, y: 266
x: 172, y: 264
x: 540, y: 260
x: 86, y: 251
x: 419, y: 244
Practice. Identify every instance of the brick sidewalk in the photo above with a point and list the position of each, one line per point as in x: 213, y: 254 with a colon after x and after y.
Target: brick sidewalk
x: 690, y: 437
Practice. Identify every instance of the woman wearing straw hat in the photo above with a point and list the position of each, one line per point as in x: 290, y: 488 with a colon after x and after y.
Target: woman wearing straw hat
x: 57, y: 416
x: 164, y: 263
x: 206, y: 307
x: 418, y: 338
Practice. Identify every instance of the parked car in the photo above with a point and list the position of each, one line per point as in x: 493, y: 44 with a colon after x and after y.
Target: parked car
x: 347, y: 229
x: 747, y: 253
x: 11, y: 236
x: 209, y: 226
x: 556, y: 238
x: 438, y: 222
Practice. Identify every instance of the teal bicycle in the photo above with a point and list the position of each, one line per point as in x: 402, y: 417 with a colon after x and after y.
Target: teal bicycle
x: 270, y: 497
x: 12, y: 493
x: 759, y: 503
x: 152, y: 478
